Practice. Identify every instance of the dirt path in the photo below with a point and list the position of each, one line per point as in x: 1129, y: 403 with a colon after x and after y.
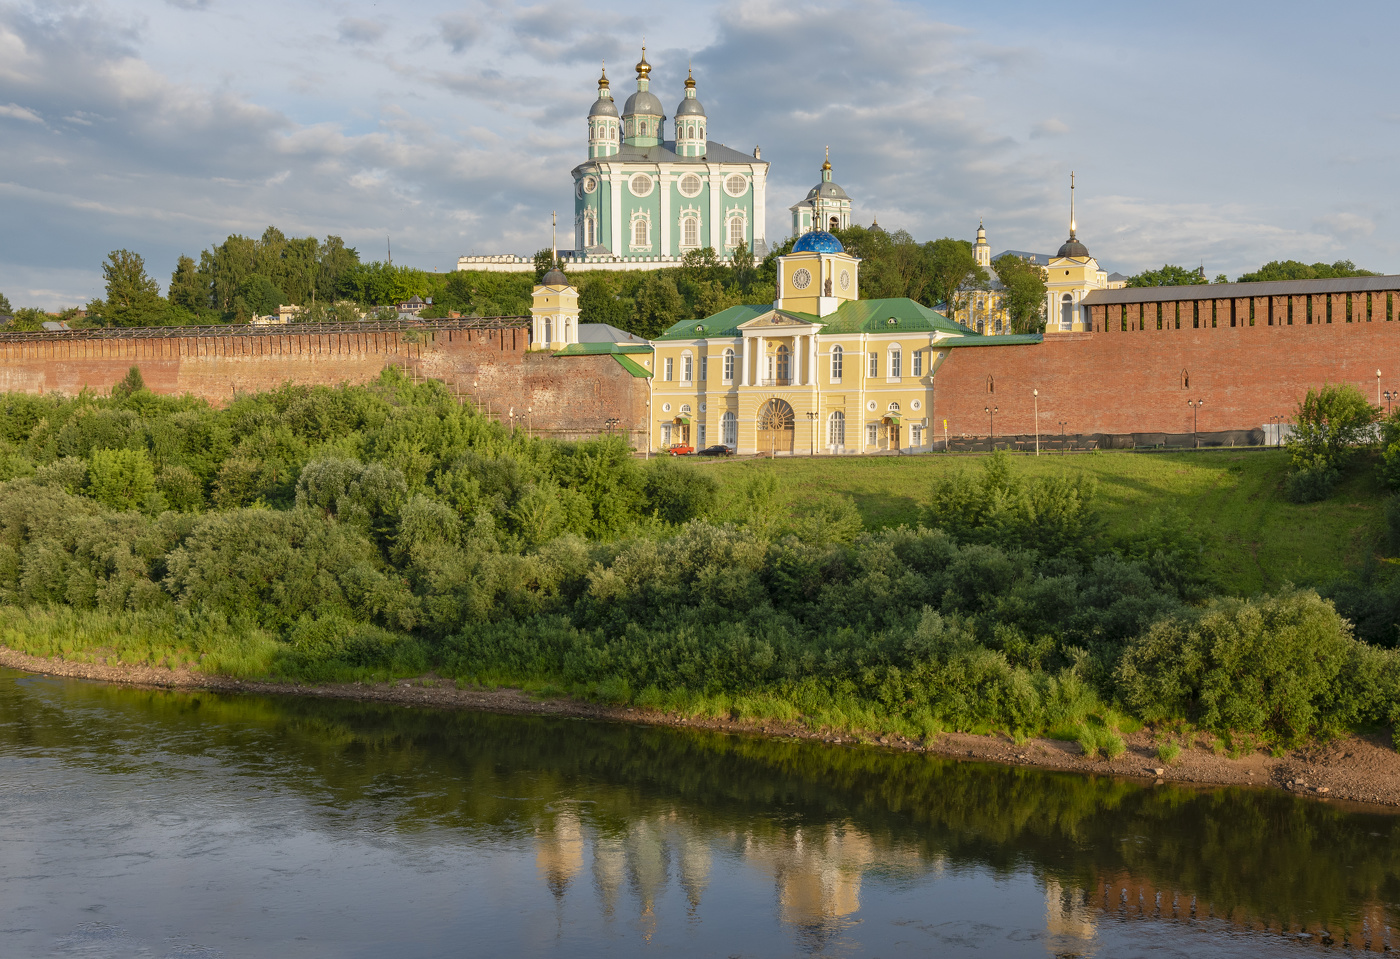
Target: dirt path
x: 1364, y: 769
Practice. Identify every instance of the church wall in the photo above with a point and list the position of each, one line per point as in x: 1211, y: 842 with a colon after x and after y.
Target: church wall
x: 1116, y: 382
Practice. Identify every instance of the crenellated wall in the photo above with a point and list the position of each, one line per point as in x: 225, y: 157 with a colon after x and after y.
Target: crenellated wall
x: 486, y: 361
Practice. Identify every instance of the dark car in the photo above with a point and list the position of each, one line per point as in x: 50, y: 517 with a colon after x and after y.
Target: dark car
x: 720, y: 450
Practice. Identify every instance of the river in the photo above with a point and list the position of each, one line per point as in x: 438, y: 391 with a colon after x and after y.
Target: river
x: 177, y: 824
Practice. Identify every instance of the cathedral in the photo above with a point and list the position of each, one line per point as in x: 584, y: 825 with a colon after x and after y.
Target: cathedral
x: 645, y: 200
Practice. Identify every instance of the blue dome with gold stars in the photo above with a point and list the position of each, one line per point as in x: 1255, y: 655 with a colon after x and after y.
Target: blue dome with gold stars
x: 818, y: 241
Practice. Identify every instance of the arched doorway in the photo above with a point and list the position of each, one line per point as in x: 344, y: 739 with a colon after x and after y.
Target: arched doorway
x: 776, y: 427
x: 834, y: 224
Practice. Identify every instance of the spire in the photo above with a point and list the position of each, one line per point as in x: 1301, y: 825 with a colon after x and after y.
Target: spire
x: 603, y: 80
x: 826, y: 167
x: 689, y: 81
x: 643, y: 68
x: 1071, y: 204
x: 553, y: 239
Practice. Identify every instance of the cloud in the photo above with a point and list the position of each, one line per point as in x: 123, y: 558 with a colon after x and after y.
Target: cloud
x: 1346, y: 224
x: 16, y: 112
x: 459, y: 31
x: 1053, y: 127
x: 190, y: 4
x: 356, y: 30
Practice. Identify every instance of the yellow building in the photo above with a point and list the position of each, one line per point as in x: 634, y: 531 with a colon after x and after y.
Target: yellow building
x: 553, y: 312
x: 818, y: 371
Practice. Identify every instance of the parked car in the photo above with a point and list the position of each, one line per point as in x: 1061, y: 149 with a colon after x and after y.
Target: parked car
x: 681, y: 449
x: 720, y: 450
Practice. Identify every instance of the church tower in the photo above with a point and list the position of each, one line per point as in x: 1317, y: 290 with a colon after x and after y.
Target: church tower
x: 817, y: 276
x: 642, y: 116
x: 690, y: 122
x: 553, y: 309
x: 603, y: 122
x: 981, y: 252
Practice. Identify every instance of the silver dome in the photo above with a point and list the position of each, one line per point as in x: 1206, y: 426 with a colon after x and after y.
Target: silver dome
x: 645, y: 103
x: 603, y: 107
x: 690, y: 107
x: 827, y: 189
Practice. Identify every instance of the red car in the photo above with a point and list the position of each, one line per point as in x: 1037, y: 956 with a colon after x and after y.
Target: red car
x: 681, y: 449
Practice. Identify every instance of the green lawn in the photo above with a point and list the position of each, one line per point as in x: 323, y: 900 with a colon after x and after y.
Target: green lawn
x: 1256, y: 539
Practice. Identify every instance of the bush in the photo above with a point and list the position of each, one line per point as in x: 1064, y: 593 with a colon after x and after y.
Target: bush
x: 1269, y: 666
x: 1311, y: 484
x: 1168, y: 752
x: 121, y: 479
x: 1329, y: 424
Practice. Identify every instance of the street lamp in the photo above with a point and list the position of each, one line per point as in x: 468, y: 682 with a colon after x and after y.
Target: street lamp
x: 812, y: 418
x: 1195, y: 412
x: 1378, y: 387
x: 1035, y: 395
x: 529, y: 419
x: 991, y: 412
x: 1390, y: 395
x: 610, y: 422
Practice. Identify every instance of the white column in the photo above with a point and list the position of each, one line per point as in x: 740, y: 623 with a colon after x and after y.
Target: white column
x: 744, y: 363
x: 760, y: 206
x: 760, y: 361
x: 615, y: 184
x: 716, y: 212
x: 799, y: 360
x: 663, y: 183
x: 813, y: 377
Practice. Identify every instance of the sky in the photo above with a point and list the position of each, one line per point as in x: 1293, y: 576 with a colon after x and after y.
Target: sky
x: 1225, y: 134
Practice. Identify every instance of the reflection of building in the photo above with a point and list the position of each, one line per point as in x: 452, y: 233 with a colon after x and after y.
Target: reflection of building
x: 559, y: 852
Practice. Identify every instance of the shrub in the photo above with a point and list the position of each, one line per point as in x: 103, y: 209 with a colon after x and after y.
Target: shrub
x: 69, y: 474
x: 1328, y: 425
x: 1268, y: 666
x: 1167, y: 752
x: 1311, y: 484
x: 121, y: 479
x: 181, y: 489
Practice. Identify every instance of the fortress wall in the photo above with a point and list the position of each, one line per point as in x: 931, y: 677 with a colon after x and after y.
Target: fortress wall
x: 572, y: 396
x: 1111, y: 381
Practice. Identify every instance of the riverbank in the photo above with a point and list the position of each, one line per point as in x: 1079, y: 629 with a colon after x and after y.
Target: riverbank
x: 1363, y: 769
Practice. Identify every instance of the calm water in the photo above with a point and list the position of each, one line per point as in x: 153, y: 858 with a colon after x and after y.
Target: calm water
x: 152, y: 824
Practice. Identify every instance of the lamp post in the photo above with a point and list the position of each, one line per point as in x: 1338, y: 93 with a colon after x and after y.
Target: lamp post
x: 529, y: 419
x: 1035, y: 396
x: 1390, y: 395
x: 1064, y: 441
x: 991, y: 412
x: 1378, y: 387
x: 610, y: 422
x: 812, y: 418
x: 1195, y: 412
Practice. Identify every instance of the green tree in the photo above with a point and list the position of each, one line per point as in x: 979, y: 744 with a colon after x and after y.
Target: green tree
x: 658, y: 306
x: 544, y: 262
x: 133, y: 298
x: 598, y: 302
x: 741, y: 262
x: 1297, y: 270
x: 951, y: 264
x: 188, y: 288
x: 133, y: 382
x: 1168, y: 275
x: 261, y: 294
x: 1023, y: 294
x: 5, y: 307
x: 28, y: 319
x: 1329, y: 425
x: 121, y: 479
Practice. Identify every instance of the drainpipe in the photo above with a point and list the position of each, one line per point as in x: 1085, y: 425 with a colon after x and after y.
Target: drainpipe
x: 651, y: 392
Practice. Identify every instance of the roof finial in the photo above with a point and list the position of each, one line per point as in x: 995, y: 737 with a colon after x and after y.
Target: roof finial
x: 689, y: 79
x: 603, y: 80
x: 1071, y: 204
x: 554, y: 240
x: 643, y: 68
x: 826, y: 164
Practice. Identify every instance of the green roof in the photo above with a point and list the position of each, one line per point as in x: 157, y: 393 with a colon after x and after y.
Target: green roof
x: 601, y: 349
x: 853, y: 316
x: 631, y: 366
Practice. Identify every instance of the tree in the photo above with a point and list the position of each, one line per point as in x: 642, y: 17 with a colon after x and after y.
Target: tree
x: 261, y: 294
x: 544, y: 262
x: 599, y: 303
x: 133, y: 382
x: 187, y: 288
x: 741, y: 262
x: 658, y: 306
x: 121, y: 479
x: 1023, y: 293
x: 5, y: 307
x: 950, y: 265
x: 133, y: 298
x: 1296, y: 270
x: 1168, y: 275
x: 1328, y: 426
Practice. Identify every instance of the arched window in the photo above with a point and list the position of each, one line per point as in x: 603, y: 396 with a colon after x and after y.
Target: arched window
x: 784, y: 372
x: 1066, y: 312
x: 690, y: 231
x: 736, y: 230
x: 1185, y: 380
x: 896, y: 362
x: 641, y: 233
x: 836, y: 357
x: 548, y: 331
x: 729, y: 429
x: 991, y: 384
x: 981, y: 327
x: 998, y: 326
x: 728, y: 365
x: 893, y: 407
x: 835, y: 224
x: 590, y: 232
x: 687, y: 366
x: 836, y: 429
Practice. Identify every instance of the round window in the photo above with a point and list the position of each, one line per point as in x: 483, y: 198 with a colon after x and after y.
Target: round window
x: 871, y: 406
x: 691, y: 185
x: 916, y: 405
x: 590, y: 183
x: 641, y: 185
x: 702, y: 407
x: 735, y: 185
x: 802, y: 279
x: 845, y: 279
x: 665, y: 407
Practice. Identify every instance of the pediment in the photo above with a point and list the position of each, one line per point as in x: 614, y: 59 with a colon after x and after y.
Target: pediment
x: 782, y: 321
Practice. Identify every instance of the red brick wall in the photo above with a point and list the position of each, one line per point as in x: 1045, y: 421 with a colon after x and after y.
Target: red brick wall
x: 1118, y: 382
x: 570, y: 396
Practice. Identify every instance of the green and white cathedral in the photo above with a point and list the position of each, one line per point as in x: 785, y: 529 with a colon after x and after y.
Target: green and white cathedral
x: 641, y: 199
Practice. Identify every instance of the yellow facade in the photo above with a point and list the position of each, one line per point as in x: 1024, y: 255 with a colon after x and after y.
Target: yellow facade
x: 554, y: 313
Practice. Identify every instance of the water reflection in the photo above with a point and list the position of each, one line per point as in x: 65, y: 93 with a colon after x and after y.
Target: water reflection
x: 578, y: 838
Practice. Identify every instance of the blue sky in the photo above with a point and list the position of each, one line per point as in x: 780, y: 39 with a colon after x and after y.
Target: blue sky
x: 1223, y: 133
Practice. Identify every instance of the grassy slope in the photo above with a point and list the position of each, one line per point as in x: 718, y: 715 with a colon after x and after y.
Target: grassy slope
x: 1256, y: 539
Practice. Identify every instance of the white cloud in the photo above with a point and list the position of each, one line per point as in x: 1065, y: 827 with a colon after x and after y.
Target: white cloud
x: 16, y: 112
x: 1346, y: 224
x: 1053, y: 127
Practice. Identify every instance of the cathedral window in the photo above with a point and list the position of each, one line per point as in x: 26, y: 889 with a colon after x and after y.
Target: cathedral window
x: 729, y: 429
x: 728, y: 365
x: 836, y: 357
x: 690, y: 185
x: 735, y: 185
x: 690, y: 232
x: 548, y: 331
x: 590, y: 232
x: 641, y: 233
x: 641, y: 185
x: 736, y: 230
x: 836, y: 429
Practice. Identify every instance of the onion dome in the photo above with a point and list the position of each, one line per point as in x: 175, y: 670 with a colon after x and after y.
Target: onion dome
x: 690, y: 107
x: 604, y: 105
x: 555, y: 277
x: 818, y: 241
x: 828, y: 187
x: 643, y: 102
